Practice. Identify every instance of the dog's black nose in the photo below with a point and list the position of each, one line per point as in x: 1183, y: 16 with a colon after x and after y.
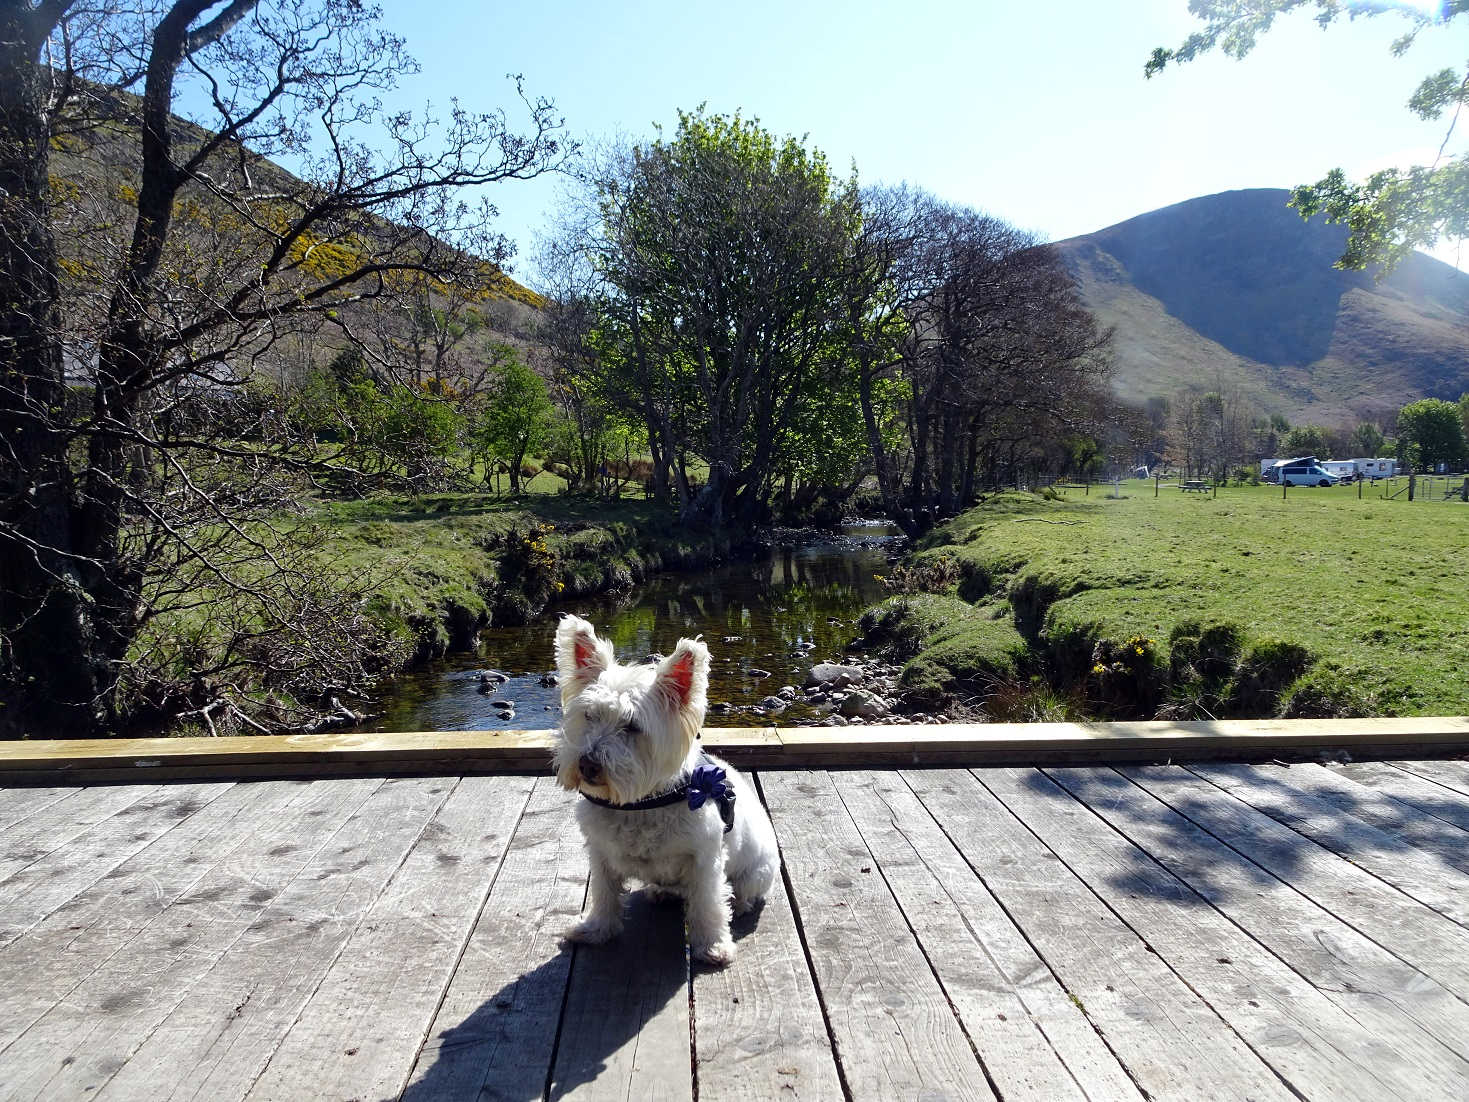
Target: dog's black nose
x: 590, y: 769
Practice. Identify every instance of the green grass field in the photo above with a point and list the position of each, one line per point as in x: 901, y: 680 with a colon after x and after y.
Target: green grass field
x: 1375, y: 591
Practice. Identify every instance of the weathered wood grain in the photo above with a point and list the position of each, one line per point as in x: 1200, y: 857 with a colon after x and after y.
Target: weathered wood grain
x: 73, y: 942
x: 51, y: 828
x: 1189, y: 941
x: 1437, y: 946
x: 1424, y: 1022
x: 1450, y: 773
x: 1034, y: 1042
x: 895, y: 1033
x: 1401, y: 849
x: 1430, y: 797
x: 625, y: 1028
x: 355, y: 1036
x: 115, y: 1003
x: 758, y: 1027
x: 1172, y: 1043
x: 219, y: 1037
x: 18, y: 804
x: 44, y: 885
x: 494, y: 1033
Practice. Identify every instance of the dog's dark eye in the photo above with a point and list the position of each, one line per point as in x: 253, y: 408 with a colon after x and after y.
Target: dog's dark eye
x: 632, y: 727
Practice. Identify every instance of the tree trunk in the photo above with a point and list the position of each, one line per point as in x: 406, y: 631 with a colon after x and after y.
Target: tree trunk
x: 51, y: 679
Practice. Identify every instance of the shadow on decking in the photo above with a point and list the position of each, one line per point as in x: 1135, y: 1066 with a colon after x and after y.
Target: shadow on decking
x: 1215, y: 840
x: 564, y: 1024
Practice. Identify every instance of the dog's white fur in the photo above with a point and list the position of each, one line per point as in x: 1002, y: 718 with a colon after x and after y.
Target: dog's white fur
x: 628, y: 732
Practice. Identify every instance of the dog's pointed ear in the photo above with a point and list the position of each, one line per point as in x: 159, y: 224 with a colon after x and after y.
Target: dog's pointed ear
x: 581, y: 657
x: 683, y: 677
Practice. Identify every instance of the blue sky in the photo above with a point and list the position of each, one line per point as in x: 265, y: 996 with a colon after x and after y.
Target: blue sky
x: 1035, y: 112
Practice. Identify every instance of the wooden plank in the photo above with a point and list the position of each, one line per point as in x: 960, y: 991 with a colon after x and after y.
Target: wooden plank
x: 359, y: 1033
x: 113, y: 1006
x: 1429, y: 797
x: 1448, y: 772
x: 18, y: 804
x: 894, y: 1032
x: 1437, y: 946
x: 494, y: 1033
x: 1399, y: 850
x: 1146, y: 740
x: 625, y: 1029
x: 217, y: 1041
x: 39, y: 968
x: 329, y: 754
x: 44, y: 885
x: 1173, y: 1043
x: 459, y: 752
x: 758, y: 1026
x: 53, y: 827
x: 1424, y: 1023
x: 1034, y: 1042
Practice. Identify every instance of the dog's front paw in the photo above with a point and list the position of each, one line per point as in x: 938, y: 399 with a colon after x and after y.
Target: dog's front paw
x: 592, y: 931
x: 718, y: 953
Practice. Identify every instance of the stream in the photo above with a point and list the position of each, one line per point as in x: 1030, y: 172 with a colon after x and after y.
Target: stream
x: 766, y: 621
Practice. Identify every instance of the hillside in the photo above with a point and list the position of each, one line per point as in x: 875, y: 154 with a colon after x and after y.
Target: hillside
x: 1236, y: 290
x: 215, y: 244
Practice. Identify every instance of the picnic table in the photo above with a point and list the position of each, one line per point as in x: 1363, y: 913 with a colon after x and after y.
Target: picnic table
x: 1194, y: 484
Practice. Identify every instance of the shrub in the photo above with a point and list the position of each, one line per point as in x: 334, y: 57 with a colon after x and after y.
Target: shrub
x: 1209, y: 654
x: 1264, y: 672
x: 1325, y: 692
x: 975, y: 658
x: 931, y: 574
x: 1125, y: 679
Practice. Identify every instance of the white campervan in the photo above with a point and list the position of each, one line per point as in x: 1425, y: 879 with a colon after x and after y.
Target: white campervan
x: 1376, y: 468
x: 1303, y: 471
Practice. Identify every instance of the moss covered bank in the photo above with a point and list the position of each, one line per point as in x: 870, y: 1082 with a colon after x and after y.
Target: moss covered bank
x: 1182, y: 606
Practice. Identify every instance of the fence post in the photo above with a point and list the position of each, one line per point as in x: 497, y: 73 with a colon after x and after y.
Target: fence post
x: 1412, y: 484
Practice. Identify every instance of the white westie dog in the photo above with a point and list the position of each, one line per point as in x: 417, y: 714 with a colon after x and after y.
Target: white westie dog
x: 657, y: 809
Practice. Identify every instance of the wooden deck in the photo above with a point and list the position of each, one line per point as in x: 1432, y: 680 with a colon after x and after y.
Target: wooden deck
x: 1204, y: 932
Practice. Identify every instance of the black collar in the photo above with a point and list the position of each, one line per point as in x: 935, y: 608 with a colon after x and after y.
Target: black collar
x: 706, y: 781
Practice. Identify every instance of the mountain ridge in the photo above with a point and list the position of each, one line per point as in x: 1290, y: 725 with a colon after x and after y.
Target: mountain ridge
x: 1236, y: 290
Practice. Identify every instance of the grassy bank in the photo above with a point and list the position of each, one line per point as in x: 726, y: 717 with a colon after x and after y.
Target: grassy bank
x: 446, y: 566
x: 409, y: 580
x: 1188, y: 606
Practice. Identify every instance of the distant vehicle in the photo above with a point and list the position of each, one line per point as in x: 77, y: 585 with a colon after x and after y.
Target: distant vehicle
x: 1303, y: 472
x: 1376, y: 468
x: 1270, y: 469
x: 1343, y: 470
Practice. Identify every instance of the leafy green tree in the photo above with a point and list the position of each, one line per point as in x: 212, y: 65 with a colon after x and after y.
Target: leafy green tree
x: 1392, y: 212
x: 1267, y: 433
x: 200, y: 268
x: 1434, y: 427
x: 517, y: 416
x: 1464, y: 414
x: 719, y: 253
x: 1306, y: 440
x: 1367, y: 440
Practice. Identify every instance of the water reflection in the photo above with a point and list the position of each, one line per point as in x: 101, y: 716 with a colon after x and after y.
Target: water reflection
x: 765, y: 621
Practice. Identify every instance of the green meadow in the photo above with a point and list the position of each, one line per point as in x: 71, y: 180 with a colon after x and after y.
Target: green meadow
x: 1187, y: 605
